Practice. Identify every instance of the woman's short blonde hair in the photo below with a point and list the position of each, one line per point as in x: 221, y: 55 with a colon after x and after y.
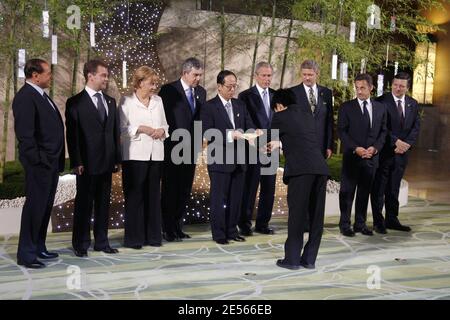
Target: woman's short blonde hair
x: 143, y: 73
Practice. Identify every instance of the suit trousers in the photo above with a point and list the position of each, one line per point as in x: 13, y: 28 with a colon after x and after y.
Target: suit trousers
x: 226, y: 200
x: 40, y: 188
x: 306, y: 196
x: 176, y: 190
x: 355, y: 175
x: 93, y: 192
x: 253, y: 179
x: 141, y: 188
x: 386, y: 189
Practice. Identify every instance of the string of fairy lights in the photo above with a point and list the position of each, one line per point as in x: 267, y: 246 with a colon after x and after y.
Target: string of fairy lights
x: 197, y: 209
x: 127, y: 39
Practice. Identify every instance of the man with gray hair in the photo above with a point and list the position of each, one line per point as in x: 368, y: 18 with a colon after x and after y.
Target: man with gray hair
x: 182, y: 100
x: 319, y: 99
x: 257, y: 100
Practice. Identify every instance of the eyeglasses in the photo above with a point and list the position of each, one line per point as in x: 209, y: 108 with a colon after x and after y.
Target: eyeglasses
x: 231, y: 86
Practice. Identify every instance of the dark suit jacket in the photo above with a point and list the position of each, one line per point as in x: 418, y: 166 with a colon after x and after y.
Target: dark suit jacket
x: 352, y: 130
x: 411, y: 127
x: 91, y: 144
x: 214, y: 116
x: 39, y: 129
x: 255, y: 107
x: 178, y: 111
x: 323, y: 114
x: 300, y: 144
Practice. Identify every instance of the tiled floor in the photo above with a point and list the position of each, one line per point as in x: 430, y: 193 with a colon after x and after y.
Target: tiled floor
x: 395, y: 266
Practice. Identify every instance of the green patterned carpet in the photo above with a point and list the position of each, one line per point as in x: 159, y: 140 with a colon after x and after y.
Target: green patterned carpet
x: 412, y: 266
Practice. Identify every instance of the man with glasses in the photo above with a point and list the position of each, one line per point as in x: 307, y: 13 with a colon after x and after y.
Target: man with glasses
x: 229, y: 117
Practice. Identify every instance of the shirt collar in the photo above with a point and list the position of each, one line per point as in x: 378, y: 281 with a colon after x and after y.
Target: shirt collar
x: 92, y: 92
x: 38, y: 89
x: 362, y: 101
x: 396, y: 99
x: 140, y: 104
x: 185, y: 86
x: 224, y: 102
x: 314, y: 87
x: 260, y: 90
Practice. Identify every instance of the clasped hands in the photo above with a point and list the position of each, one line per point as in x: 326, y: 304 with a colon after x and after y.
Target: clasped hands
x: 366, y: 153
x: 401, y: 147
x: 152, y: 132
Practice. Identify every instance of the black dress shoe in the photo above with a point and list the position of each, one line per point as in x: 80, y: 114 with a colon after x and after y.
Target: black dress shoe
x: 380, y: 229
x: 80, y: 253
x: 170, y: 237
x: 246, y: 232
x: 155, y: 244
x: 48, y: 255
x: 237, y: 238
x: 107, y: 250
x: 265, y: 230
x: 183, y: 235
x: 364, y: 230
x: 397, y: 226
x: 348, y: 232
x: 36, y: 264
x: 222, y: 241
x: 307, y: 265
x: 281, y: 263
x: 136, y: 247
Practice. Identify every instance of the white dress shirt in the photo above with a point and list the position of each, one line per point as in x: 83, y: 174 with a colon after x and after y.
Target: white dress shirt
x: 315, y: 90
x: 94, y: 99
x: 186, y: 88
x: 140, y: 146
x: 369, y: 108
x: 41, y: 92
x: 402, y: 99
x: 229, y: 132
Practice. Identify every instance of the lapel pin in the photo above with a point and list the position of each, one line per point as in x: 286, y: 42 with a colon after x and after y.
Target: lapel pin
x: 237, y: 115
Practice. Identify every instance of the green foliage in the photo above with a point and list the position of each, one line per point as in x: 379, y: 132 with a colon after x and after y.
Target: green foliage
x: 334, y: 17
x: 14, y: 183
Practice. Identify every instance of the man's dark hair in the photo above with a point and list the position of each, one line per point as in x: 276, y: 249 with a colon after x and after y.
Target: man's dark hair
x: 286, y: 97
x: 191, y: 63
x: 403, y: 76
x: 91, y: 67
x: 34, y: 65
x: 222, y: 74
x: 364, y: 76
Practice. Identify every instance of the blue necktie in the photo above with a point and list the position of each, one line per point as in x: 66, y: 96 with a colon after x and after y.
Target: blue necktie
x: 190, y: 97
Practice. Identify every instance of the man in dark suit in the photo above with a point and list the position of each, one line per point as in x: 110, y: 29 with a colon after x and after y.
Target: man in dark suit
x: 40, y: 132
x: 403, y: 123
x: 305, y: 173
x: 223, y: 119
x: 257, y: 100
x: 182, y: 100
x: 319, y: 99
x: 362, y: 129
x: 93, y: 135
